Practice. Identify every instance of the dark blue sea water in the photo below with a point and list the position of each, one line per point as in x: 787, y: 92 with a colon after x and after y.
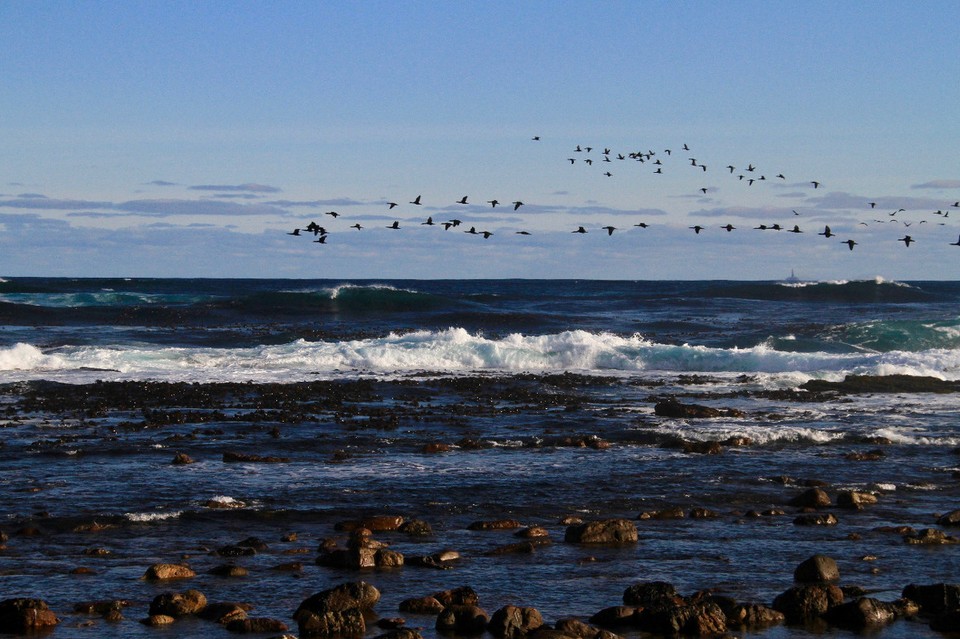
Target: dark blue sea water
x: 518, y: 380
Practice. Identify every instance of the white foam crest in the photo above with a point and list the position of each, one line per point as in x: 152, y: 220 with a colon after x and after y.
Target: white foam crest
x: 454, y: 351
x: 147, y: 517
x: 20, y: 357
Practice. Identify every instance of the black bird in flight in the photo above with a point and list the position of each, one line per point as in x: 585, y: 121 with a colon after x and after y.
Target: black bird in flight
x: 517, y: 205
x: 849, y: 243
x: 332, y: 214
x: 642, y: 225
x: 416, y: 201
x: 957, y: 243
x: 429, y: 222
x: 729, y: 227
x: 697, y: 229
x: 493, y: 203
x: 609, y: 229
x: 815, y: 184
x: 462, y: 200
x: 321, y: 240
x: 294, y: 232
x: 356, y: 226
x: 826, y: 232
x: 391, y: 204
x: 795, y: 229
x: 580, y: 229
x: 906, y: 239
x: 395, y: 225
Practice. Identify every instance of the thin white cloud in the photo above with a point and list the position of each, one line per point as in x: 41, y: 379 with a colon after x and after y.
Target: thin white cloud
x: 938, y: 184
x: 248, y: 187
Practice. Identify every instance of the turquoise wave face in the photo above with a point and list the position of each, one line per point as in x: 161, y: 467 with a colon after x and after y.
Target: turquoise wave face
x: 900, y: 335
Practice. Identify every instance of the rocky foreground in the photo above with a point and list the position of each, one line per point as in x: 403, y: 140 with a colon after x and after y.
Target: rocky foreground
x: 813, y: 598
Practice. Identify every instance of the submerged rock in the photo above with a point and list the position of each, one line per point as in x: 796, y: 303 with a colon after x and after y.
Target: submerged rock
x: 817, y: 569
x: 609, y: 531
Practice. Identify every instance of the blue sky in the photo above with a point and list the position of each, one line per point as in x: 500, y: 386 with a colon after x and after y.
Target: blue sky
x: 187, y: 139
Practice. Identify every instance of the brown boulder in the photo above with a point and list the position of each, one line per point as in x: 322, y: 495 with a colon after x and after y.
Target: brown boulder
x: 699, y: 619
x: 817, y: 569
x: 462, y: 620
x: 753, y: 616
x: 158, y: 620
x: 816, y: 519
x: 854, y: 500
x: 182, y: 459
x: 862, y: 614
x: 400, y: 633
x: 176, y: 604
x: 338, y: 623
x: 673, y: 408
x: 930, y: 537
x: 514, y: 622
x: 352, y: 595
x: 421, y: 606
x: 803, y: 604
x: 609, y: 531
x: 651, y: 593
x: 675, y: 512
x: 812, y: 498
x: 497, y: 524
x: 616, y: 616
x: 23, y: 616
x: 161, y: 572
x: 934, y: 598
x: 952, y: 518
x: 462, y: 596
x: 225, y: 612
x: 256, y: 624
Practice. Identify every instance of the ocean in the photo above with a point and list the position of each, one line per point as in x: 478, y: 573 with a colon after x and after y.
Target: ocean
x: 455, y: 402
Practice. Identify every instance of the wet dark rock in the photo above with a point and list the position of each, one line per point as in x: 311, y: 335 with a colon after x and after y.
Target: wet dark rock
x: 572, y: 627
x: 519, y: 548
x: 225, y: 612
x: 162, y: 572
x: 946, y: 621
x: 416, y: 528
x: 952, y: 518
x: 609, y: 531
x: 390, y: 623
x: 182, y: 459
x: 23, y: 616
x: 708, y: 447
x: 442, y: 560
x: 256, y: 625
x: 462, y: 596
x: 816, y: 519
x: 855, y: 500
x: 702, y: 513
x: 751, y: 616
x: 853, y: 384
x: 934, y: 598
x: 675, y: 512
x: 400, y: 633
x: 699, y: 619
x: 673, y: 408
x: 861, y: 614
x: 236, y: 551
x: 462, y: 619
x: 158, y: 620
x: 102, y: 608
x: 931, y: 537
x: 514, y: 622
x: 812, y: 498
x: 870, y: 455
x: 375, y: 523
x: 532, y: 532
x: 177, y: 604
x: 616, y: 617
x: 340, y: 623
x: 421, y: 606
x: 652, y: 593
x: 817, y: 569
x: 229, y: 570
x: 803, y: 604
x: 498, y: 524
x: 351, y: 595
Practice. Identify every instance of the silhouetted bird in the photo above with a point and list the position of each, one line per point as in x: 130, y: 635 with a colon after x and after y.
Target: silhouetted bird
x: 729, y: 227
x: 697, y: 229
x: 294, y: 232
x: 416, y: 201
x: 356, y: 226
x: 906, y: 239
x: 815, y: 184
x: 395, y: 225
x: 642, y: 225
x: 517, y: 204
x: 849, y: 243
x: 321, y: 240
x: 522, y: 232
x: 610, y: 229
x: 795, y: 229
x: 580, y: 229
x: 826, y: 232
x: 957, y: 243
x: 429, y: 222
x: 462, y: 200
x: 391, y: 204
x: 332, y: 214
x: 493, y: 203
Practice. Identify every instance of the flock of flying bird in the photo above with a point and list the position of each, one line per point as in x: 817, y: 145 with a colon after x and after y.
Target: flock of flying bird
x: 748, y: 176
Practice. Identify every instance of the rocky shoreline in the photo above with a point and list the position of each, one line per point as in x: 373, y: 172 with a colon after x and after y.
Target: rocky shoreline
x: 252, y: 426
